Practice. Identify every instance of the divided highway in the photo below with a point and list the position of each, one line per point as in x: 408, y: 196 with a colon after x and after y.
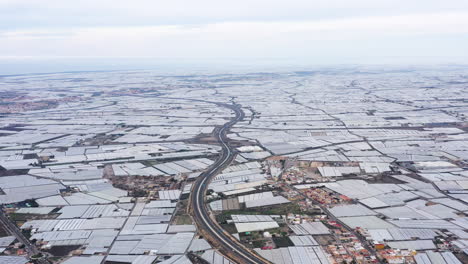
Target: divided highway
x: 223, y: 241
x: 11, y: 228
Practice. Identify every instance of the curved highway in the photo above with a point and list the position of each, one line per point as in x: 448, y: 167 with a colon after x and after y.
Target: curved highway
x: 222, y: 240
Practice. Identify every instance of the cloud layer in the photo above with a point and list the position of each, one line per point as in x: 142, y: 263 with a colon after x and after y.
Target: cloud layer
x: 299, y: 30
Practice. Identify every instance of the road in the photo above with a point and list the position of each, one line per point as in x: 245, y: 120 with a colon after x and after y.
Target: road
x: 223, y: 241
x: 15, y: 231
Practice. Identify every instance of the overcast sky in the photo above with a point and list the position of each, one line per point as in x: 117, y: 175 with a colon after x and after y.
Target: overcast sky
x: 302, y: 31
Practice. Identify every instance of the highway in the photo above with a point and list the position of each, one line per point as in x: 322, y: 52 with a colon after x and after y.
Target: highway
x: 223, y: 241
x: 15, y: 231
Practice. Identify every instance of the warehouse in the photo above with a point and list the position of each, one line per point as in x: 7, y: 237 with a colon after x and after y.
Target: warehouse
x: 295, y: 255
x: 351, y: 210
x: 413, y: 245
x: 368, y: 222
x: 310, y: 228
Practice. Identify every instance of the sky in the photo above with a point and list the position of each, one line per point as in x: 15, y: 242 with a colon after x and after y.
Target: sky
x: 95, y: 34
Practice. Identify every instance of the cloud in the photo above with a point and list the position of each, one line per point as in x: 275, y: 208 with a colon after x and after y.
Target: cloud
x: 243, y: 37
x: 212, y: 29
x: 436, y: 23
x: 26, y: 14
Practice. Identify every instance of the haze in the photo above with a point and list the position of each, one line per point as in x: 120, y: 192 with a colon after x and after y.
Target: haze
x: 140, y: 34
